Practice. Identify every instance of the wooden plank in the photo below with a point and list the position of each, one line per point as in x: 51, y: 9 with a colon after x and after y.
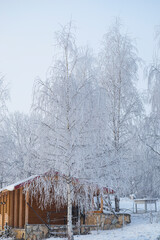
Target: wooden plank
x: 5, y: 203
x: 23, y: 212
x: 27, y: 209
x: 11, y: 209
x: 16, y: 209
x: 21, y: 208
x: 2, y: 211
x: 8, y: 203
x: 98, y: 211
x: 57, y: 216
x: 101, y: 204
x: 5, y: 209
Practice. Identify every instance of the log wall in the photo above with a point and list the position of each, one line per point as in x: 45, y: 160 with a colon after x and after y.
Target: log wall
x: 57, y: 216
x: 15, y: 211
x: 4, y: 207
x: 12, y: 209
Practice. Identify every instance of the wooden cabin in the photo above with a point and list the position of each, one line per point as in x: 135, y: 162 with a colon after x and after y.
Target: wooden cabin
x: 14, y: 208
x: 18, y: 211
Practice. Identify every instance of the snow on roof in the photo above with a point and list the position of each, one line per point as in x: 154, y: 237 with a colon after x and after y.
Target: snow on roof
x: 21, y: 183
x: 18, y: 184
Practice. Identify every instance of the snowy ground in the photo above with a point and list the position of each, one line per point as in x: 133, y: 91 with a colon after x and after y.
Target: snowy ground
x: 139, y: 229
x: 142, y: 227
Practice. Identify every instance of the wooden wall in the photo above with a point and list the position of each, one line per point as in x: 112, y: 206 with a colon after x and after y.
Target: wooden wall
x: 12, y: 209
x: 56, y: 216
x: 4, y: 207
x: 15, y: 211
x: 1, y: 212
x: 59, y: 216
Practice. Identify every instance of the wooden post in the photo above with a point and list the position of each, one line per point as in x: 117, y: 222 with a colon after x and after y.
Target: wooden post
x: 2, y: 211
x: 79, y: 221
x: 145, y: 206
x: 21, y: 208
x: 27, y: 208
x: 11, y: 209
x: 123, y: 220
x: 16, y: 212
x: 8, y: 205
x: 4, y: 208
x: 136, y: 207
x: 101, y: 205
x: 155, y: 206
x: 116, y: 204
x: 0, y: 214
x: 97, y: 224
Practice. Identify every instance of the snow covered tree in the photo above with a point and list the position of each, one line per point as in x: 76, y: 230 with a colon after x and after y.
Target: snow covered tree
x: 68, y: 105
x: 118, y: 75
x: 4, y: 97
x: 19, y: 142
x: 151, y: 128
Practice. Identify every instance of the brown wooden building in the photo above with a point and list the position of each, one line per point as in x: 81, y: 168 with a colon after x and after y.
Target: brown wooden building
x: 17, y: 210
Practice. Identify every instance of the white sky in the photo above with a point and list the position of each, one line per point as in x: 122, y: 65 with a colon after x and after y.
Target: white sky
x: 27, y: 35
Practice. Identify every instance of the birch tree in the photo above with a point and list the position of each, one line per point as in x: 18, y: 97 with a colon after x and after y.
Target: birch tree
x: 154, y: 97
x: 118, y: 75
x: 151, y: 128
x: 19, y: 142
x: 67, y: 103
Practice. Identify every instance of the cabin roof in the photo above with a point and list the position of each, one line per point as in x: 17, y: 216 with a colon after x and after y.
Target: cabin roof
x: 18, y: 184
x: 25, y: 181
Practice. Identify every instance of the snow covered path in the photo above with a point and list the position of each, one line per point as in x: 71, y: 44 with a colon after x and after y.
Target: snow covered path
x: 139, y: 229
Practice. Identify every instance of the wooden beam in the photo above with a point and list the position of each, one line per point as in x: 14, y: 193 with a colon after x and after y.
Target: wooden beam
x: 11, y: 209
x: 7, y: 206
x: 2, y: 211
x: 16, y: 212
x: 27, y: 209
x: 21, y: 208
x: 8, y: 203
x: 5, y: 203
x: 101, y: 204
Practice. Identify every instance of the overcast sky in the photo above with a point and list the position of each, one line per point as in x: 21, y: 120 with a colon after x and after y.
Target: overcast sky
x: 27, y: 35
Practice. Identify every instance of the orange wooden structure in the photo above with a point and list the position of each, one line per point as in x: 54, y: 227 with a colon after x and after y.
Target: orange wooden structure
x: 17, y: 210
x: 12, y: 208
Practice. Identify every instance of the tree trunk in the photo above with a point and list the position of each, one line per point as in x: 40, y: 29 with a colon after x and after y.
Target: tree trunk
x: 69, y: 213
